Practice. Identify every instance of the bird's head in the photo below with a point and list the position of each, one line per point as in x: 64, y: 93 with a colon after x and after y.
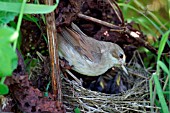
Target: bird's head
x: 118, y: 56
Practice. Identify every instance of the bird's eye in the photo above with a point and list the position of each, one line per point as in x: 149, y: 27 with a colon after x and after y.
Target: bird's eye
x: 121, y: 56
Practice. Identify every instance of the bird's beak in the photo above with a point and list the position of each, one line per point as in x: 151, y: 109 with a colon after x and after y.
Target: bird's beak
x: 122, y: 65
x: 124, y: 69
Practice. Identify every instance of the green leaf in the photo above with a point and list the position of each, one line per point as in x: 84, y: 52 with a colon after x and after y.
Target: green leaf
x: 77, y: 110
x: 7, y: 34
x: 160, y: 94
x: 162, y: 44
x: 164, y: 67
x: 8, y: 57
x: 168, y: 42
x: 29, y: 8
x: 3, y: 89
x: 46, y: 94
x: 31, y: 18
x: 8, y: 60
x: 6, y: 17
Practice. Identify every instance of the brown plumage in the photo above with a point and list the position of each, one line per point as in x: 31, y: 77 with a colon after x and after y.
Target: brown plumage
x: 88, y: 56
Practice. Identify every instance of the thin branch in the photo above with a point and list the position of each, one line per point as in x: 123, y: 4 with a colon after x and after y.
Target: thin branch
x: 119, y: 15
x: 75, y: 78
x: 80, y: 15
x: 53, y: 51
x: 135, y: 35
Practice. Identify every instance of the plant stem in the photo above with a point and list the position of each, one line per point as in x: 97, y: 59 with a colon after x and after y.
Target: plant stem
x: 19, y: 22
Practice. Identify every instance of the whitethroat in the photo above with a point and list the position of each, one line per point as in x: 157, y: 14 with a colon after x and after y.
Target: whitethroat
x: 86, y: 55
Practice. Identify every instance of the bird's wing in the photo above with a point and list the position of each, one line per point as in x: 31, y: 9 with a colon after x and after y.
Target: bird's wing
x: 75, y: 39
x: 97, y: 46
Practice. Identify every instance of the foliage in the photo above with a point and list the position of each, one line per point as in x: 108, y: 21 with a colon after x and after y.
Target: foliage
x: 9, y: 36
x: 77, y: 110
x: 155, y: 76
x: 8, y: 56
x: 151, y: 21
x: 155, y: 24
x: 29, y: 8
x: 5, y: 16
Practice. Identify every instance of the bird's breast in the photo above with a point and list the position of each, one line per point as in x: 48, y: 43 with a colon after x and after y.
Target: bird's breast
x: 80, y: 63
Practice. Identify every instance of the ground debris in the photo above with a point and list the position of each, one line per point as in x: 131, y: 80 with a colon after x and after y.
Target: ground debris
x: 30, y: 99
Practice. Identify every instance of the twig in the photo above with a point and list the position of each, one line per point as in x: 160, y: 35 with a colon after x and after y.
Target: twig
x: 53, y: 51
x: 80, y: 15
x: 75, y: 78
x: 136, y: 73
x: 119, y: 15
x: 135, y: 35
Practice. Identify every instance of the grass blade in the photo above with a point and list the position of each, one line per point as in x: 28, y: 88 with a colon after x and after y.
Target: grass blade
x: 160, y: 94
x: 162, y: 44
x: 133, y: 8
x: 164, y: 67
x: 29, y: 8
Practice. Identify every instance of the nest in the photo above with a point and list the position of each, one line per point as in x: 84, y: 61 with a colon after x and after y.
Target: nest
x: 135, y: 99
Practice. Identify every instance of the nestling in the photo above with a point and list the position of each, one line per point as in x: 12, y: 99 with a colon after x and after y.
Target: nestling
x: 88, y: 56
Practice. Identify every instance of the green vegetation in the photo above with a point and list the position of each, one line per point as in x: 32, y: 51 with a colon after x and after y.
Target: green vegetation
x: 148, y: 15
x: 9, y: 36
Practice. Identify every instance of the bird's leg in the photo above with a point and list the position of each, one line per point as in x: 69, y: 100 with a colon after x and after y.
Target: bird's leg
x: 64, y: 64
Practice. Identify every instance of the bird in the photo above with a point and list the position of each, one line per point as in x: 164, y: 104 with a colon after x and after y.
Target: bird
x: 87, y: 55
